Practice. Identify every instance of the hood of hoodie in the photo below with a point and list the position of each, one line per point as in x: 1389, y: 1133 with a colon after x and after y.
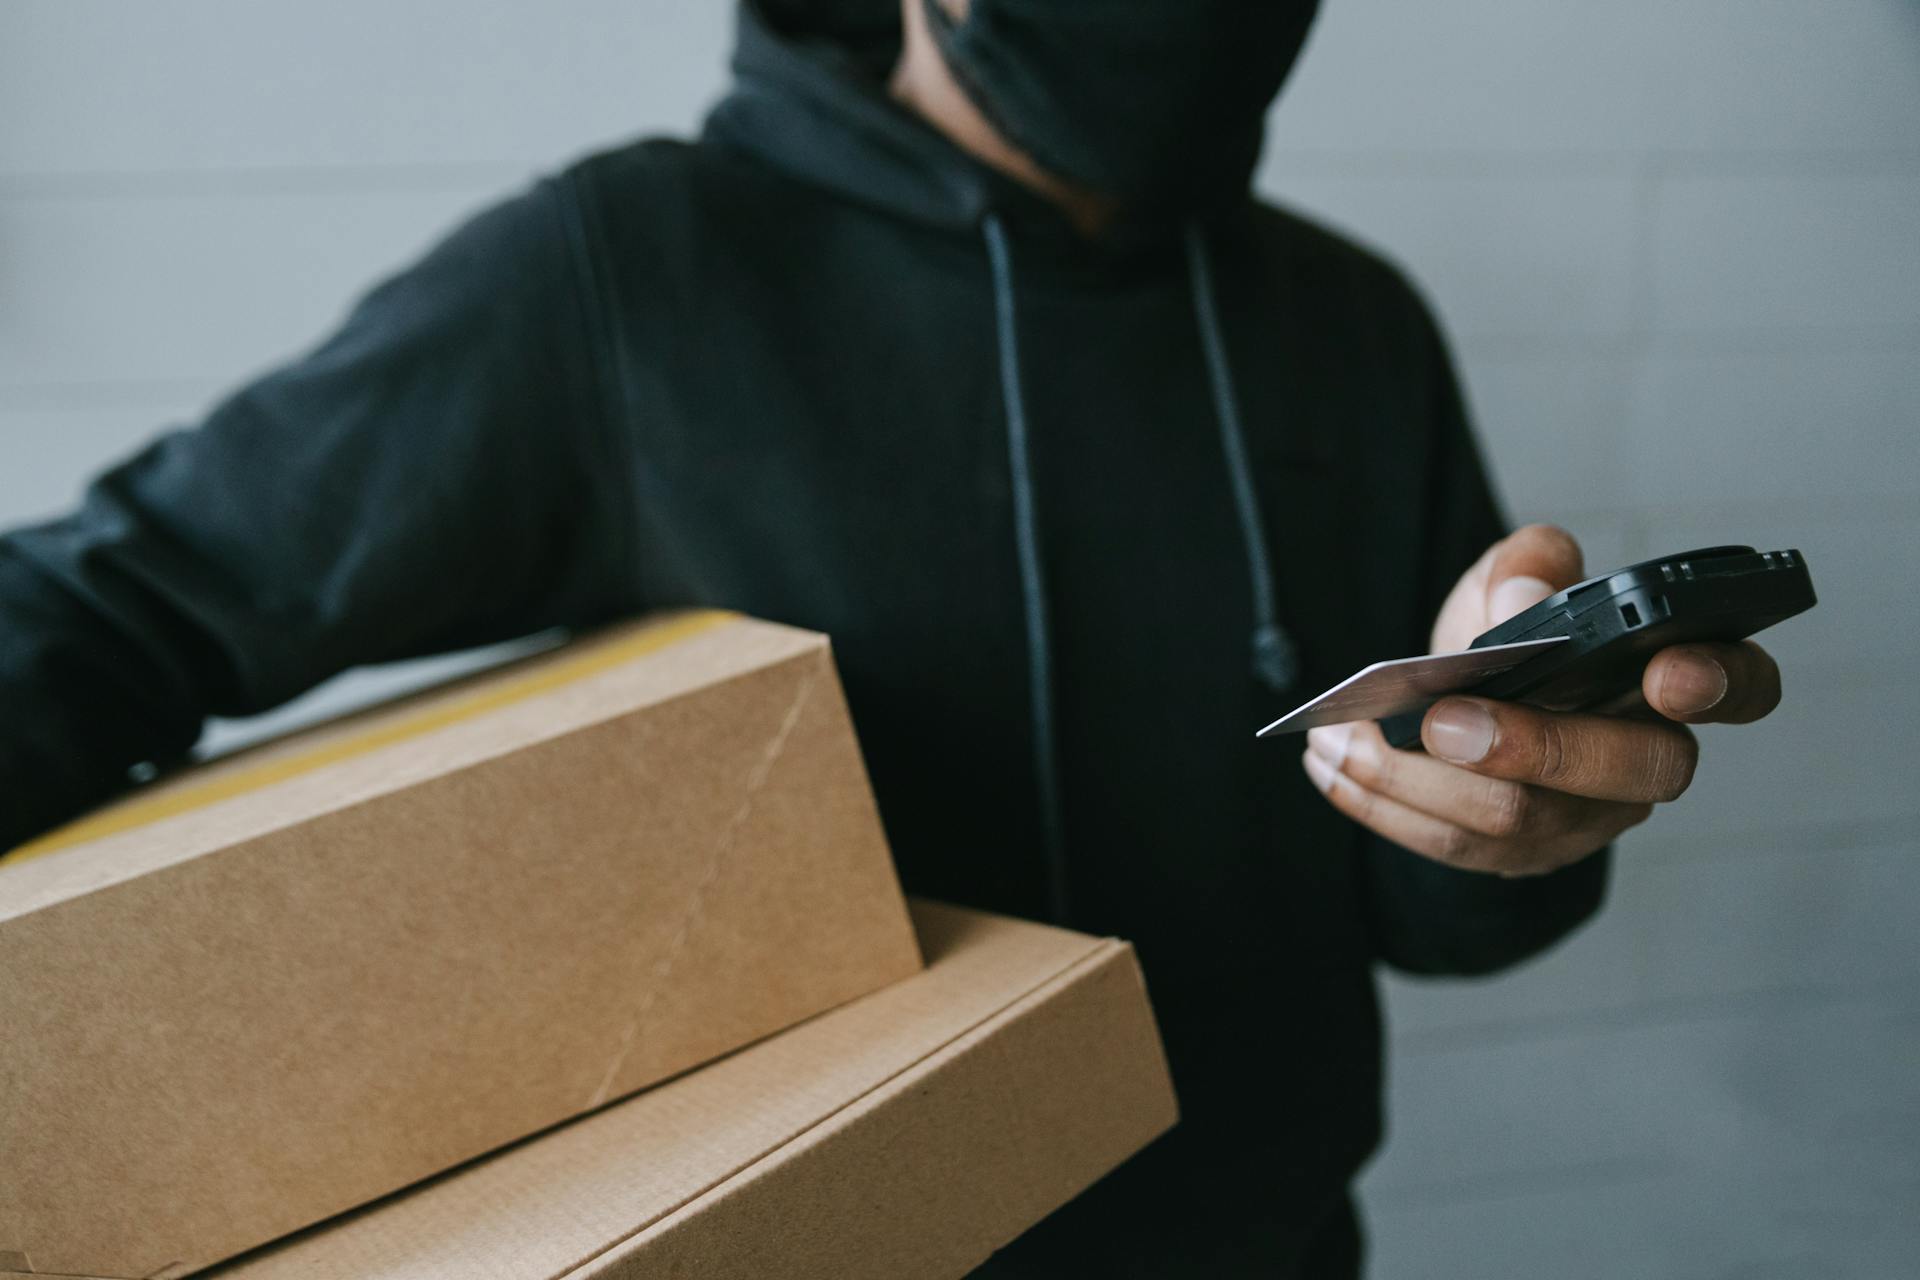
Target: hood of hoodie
x: 810, y: 98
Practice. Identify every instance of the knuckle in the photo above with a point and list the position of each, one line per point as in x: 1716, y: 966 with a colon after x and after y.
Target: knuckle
x: 1554, y: 751
x: 1509, y: 809
x: 1672, y: 758
x: 1558, y: 538
x: 1368, y: 768
x: 1456, y: 846
x: 1554, y: 542
x: 1356, y: 802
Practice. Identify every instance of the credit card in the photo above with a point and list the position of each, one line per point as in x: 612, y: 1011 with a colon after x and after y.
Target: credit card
x: 1406, y: 684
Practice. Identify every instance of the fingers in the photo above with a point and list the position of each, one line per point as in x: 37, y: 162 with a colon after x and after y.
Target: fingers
x: 1602, y: 757
x: 1405, y: 826
x: 1527, y: 566
x: 1470, y: 593
x: 1495, y: 807
x: 1712, y: 683
x: 1528, y: 853
x: 1514, y: 573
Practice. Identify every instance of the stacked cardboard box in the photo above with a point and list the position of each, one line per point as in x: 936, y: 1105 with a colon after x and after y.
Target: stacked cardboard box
x: 293, y: 982
x: 907, y: 1134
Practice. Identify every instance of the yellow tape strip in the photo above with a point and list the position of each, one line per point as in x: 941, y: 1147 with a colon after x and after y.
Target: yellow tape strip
x: 138, y: 813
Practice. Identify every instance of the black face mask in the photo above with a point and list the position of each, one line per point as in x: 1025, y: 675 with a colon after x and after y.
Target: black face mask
x: 1152, y: 102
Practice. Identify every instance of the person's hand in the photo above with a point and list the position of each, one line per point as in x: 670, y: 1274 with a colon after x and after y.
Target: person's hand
x: 1516, y: 790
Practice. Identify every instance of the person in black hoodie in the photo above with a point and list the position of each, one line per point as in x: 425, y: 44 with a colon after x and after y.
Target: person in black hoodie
x: 958, y: 337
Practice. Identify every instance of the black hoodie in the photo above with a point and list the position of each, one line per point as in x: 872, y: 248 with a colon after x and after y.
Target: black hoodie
x: 820, y: 367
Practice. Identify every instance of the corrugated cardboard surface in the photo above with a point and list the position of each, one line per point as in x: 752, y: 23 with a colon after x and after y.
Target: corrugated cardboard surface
x: 907, y: 1134
x: 261, y: 1010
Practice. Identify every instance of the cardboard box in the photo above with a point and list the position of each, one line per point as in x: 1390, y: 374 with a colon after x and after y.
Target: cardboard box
x: 280, y: 987
x: 904, y: 1136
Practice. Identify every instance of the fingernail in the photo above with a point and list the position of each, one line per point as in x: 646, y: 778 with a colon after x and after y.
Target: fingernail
x: 1317, y: 769
x: 1693, y: 686
x: 1330, y: 742
x: 1460, y: 731
x: 1515, y: 594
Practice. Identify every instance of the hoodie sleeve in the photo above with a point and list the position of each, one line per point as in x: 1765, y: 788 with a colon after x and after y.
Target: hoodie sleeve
x: 1430, y: 918
x: 435, y: 475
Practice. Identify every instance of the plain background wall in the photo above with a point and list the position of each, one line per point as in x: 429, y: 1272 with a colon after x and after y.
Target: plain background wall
x: 1678, y: 245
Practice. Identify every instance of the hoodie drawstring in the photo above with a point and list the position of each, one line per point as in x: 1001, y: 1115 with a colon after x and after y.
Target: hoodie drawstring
x: 1033, y: 589
x: 1273, y: 657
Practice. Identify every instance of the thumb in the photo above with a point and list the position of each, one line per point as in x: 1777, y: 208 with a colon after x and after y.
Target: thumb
x: 1529, y: 565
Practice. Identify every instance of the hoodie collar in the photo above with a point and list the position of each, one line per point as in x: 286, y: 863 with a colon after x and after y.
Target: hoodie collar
x: 809, y: 107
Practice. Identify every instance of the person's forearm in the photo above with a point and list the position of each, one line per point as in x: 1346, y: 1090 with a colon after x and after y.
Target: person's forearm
x: 83, y: 702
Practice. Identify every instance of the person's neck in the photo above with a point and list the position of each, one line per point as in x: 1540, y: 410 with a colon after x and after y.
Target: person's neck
x: 923, y: 83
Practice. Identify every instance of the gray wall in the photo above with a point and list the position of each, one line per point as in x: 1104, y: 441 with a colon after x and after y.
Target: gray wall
x: 1678, y: 244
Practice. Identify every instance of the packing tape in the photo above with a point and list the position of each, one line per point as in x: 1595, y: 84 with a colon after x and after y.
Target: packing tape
x: 138, y: 812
